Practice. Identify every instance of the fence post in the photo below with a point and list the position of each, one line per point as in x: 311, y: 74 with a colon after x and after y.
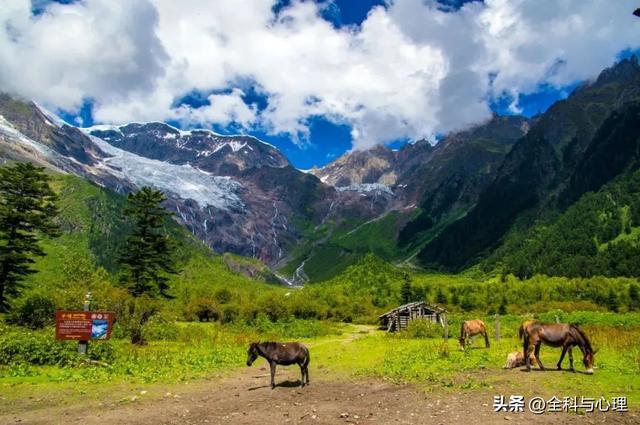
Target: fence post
x: 446, y: 328
x: 497, y: 327
x: 557, y: 319
x: 83, y: 345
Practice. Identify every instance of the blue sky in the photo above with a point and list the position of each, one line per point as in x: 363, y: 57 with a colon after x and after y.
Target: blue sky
x: 325, y: 137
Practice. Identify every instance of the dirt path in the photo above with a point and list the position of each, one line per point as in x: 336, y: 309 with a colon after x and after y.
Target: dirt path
x: 246, y: 398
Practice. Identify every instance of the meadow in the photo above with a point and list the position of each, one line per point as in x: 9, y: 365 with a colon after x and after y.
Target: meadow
x: 34, y: 366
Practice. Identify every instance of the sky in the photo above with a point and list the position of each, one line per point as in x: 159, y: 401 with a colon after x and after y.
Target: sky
x: 315, y: 78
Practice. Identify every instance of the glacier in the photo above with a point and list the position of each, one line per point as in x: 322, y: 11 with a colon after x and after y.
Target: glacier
x: 184, y: 181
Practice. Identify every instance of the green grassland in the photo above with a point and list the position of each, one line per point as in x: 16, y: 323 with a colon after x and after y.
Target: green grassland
x: 240, y: 309
x: 184, y: 352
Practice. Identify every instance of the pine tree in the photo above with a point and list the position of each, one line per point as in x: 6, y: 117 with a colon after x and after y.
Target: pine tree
x: 612, y: 301
x: 406, y: 291
x: 27, y: 211
x: 146, y: 258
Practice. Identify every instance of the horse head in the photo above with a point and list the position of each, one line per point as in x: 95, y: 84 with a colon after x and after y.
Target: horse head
x: 588, y: 360
x: 252, y: 354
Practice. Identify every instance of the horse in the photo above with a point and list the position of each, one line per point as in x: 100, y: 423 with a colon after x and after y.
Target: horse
x: 562, y: 335
x: 471, y: 328
x: 285, y: 354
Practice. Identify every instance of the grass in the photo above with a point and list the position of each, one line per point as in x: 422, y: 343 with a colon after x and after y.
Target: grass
x: 347, y: 352
x: 438, y: 366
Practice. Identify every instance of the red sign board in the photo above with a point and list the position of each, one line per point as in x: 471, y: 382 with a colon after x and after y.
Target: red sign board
x: 84, y: 325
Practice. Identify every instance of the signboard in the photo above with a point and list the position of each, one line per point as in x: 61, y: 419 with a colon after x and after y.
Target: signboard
x: 83, y: 325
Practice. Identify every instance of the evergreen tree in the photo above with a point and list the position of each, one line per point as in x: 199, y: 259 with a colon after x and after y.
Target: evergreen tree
x: 146, y: 258
x: 611, y: 301
x: 406, y: 291
x: 27, y: 211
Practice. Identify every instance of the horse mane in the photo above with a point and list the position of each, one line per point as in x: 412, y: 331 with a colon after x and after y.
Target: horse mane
x: 587, y: 343
x: 268, y: 345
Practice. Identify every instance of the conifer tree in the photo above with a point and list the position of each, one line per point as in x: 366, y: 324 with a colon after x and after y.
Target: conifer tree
x: 27, y: 212
x: 147, y: 257
x: 406, y: 291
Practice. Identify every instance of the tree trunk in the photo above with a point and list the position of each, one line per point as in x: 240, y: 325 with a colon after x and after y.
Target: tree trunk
x: 136, y: 337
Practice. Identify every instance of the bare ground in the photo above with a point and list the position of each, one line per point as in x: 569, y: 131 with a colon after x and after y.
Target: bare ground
x: 246, y: 398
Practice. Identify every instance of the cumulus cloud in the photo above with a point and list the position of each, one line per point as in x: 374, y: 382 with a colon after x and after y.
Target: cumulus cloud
x: 410, y: 70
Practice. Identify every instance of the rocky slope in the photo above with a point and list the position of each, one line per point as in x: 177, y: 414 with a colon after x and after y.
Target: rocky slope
x: 235, y: 193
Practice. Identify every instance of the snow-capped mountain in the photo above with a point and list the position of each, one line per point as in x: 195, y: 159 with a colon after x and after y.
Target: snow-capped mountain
x: 204, y: 149
x: 236, y: 193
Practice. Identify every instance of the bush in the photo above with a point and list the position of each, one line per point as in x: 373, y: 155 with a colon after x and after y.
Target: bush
x: 37, y: 348
x: 203, y: 309
x: 34, y: 312
x: 423, y: 329
x: 230, y: 313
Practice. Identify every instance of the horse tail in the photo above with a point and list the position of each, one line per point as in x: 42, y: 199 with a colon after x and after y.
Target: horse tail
x: 307, y: 359
x: 521, y: 331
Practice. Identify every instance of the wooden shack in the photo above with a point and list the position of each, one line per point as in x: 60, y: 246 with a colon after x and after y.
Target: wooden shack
x: 398, y: 318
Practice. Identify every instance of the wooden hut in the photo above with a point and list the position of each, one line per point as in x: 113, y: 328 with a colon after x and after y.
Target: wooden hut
x: 398, y: 318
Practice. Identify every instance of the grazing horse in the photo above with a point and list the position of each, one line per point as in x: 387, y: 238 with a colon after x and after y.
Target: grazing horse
x: 472, y: 328
x: 278, y: 353
x: 562, y: 335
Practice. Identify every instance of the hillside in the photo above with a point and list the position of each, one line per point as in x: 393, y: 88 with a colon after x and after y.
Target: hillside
x: 93, y: 230
x: 419, y: 188
x: 562, y: 156
x: 598, y: 235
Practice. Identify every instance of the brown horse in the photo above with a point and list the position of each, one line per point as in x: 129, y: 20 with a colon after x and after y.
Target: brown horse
x: 285, y: 354
x: 471, y: 328
x: 555, y: 335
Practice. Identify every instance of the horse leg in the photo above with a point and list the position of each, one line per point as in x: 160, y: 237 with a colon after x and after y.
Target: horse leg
x: 302, y: 374
x: 273, y: 374
x: 537, y: 354
x: 571, y: 359
x: 486, y: 339
x: 564, y: 351
x: 525, y: 351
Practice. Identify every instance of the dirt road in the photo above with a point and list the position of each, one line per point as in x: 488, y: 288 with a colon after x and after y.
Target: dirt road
x: 246, y: 398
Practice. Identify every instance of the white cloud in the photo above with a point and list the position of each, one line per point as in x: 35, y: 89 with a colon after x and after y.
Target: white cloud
x: 409, y: 71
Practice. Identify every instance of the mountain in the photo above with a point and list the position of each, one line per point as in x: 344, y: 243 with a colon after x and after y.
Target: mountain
x: 421, y: 188
x: 573, y: 147
x: 472, y: 198
x: 93, y: 232
x: 235, y: 193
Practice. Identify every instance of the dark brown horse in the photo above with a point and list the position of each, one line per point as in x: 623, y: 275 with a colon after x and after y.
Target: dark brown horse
x: 281, y: 353
x: 555, y: 335
x: 472, y: 328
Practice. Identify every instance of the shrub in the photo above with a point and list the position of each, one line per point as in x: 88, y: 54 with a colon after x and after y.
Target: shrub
x: 423, y: 329
x: 223, y: 296
x: 34, y: 312
x: 203, y: 309
x: 37, y: 348
x: 230, y: 313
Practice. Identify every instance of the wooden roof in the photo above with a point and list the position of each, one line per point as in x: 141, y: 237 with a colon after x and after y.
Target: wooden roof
x: 409, y: 306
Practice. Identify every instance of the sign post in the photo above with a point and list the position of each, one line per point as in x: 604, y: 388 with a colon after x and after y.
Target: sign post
x: 83, y: 345
x: 84, y: 326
